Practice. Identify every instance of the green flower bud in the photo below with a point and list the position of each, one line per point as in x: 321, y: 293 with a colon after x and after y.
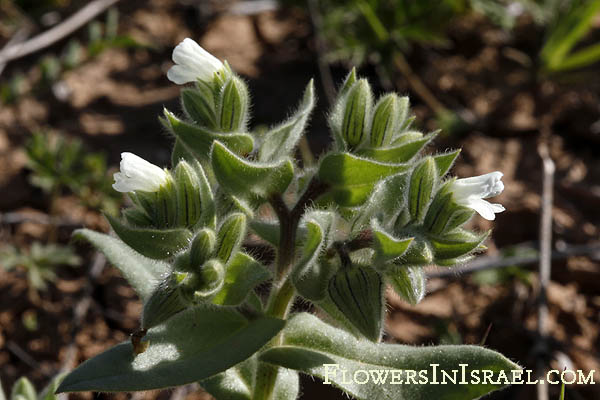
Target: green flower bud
x: 199, y: 105
x: 444, y: 214
x: 170, y: 297
x: 189, y: 204
x: 385, y: 119
x: 422, y: 182
x: 230, y: 236
x: 211, y: 279
x: 203, y: 247
x: 357, y: 291
x: 348, y: 82
x: 357, y: 107
x: 233, y: 106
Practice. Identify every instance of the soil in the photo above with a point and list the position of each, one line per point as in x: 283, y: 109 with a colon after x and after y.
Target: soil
x: 485, y: 71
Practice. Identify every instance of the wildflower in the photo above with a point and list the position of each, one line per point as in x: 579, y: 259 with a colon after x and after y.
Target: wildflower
x: 192, y: 62
x: 471, y: 192
x: 138, y: 174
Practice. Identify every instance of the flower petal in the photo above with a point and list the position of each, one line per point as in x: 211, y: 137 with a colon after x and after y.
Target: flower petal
x: 483, y: 208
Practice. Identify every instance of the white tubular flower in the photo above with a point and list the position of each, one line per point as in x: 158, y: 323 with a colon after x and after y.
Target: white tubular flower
x: 192, y: 62
x: 471, y: 192
x: 138, y: 174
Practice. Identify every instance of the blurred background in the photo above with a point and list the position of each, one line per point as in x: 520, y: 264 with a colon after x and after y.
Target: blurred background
x: 515, y: 83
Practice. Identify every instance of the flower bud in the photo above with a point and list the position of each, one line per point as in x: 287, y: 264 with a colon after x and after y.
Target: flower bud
x: 189, y: 205
x: 385, y: 117
x: 230, y: 236
x: 419, y: 253
x: 138, y: 174
x: 357, y: 292
x: 444, y: 214
x: 203, y: 247
x: 408, y: 282
x: 211, y: 279
x: 233, y: 106
x: 357, y: 106
x: 170, y: 297
x: 422, y: 182
x: 192, y: 63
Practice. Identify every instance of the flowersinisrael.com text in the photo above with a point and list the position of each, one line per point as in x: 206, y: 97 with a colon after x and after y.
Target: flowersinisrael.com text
x: 436, y: 376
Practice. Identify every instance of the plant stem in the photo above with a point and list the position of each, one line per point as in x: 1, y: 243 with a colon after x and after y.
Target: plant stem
x: 283, y: 292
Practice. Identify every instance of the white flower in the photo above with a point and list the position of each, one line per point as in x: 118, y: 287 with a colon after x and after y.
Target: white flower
x: 192, y: 62
x: 471, y: 192
x: 138, y: 174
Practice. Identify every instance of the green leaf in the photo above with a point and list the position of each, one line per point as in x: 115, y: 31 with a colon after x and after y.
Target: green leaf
x: 388, y: 248
x: 287, y: 384
x: 310, y: 276
x: 280, y: 141
x: 456, y: 244
x: 23, y: 389
x: 242, y: 275
x: 244, y: 178
x: 198, y: 140
x: 352, y: 178
x: 444, y: 162
x: 398, y: 154
x: 409, y: 282
x: 142, y: 273
x: 309, y: 343
x: 267, y: 231
x: 192, y: 345
x: 48, y: 393
x: 153, y: 243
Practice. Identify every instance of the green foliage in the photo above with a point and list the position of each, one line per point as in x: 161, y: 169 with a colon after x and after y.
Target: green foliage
x: 59, y: 164
x: 23, y: 389
x: 368, y: 214
x: 39, y: 262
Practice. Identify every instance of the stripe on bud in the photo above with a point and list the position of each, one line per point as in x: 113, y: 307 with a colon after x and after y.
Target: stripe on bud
x: 357, y: 292
x: 385, y: 119
x: 230, y: 236
x: 422, y: 182
x: 357, y: 107
x: 444, y: 215
x: 233, y: 105
x: 189, y: 204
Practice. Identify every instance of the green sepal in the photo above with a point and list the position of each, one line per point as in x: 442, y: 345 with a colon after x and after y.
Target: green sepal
x: 408, y: 282
x: 352, y: 178
x: 202, y: 248
x: 230, y: 235
x: 199, y: 105
x: 48, y: 393
x: 385, y: 120
x: 23, y: 389
x: 181, y: 152
x: 445, y: 161
x: 452, y: 262
x: 153, y: 243
x: 189, y: 196
x: 279, y: 142
x: 140, y: 272
x: 349, y: 81
x: 419, y: 253
x: 243, y: 274
x: 387, y: 248
x: 198, y: 140
x: 357, y: 108
x: 233, y: 105
x: 398, y: 154
x: 310, y: 275
x: 444, y: 215
x: 357, y: 291
x: 384, y: 203
x: 422, y: 184
x: 407, y: 137
x: 309, y: 344
x: 267, y: 231
x: 195, y: 344
x: 456, y: 244
x: 245, y: 178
